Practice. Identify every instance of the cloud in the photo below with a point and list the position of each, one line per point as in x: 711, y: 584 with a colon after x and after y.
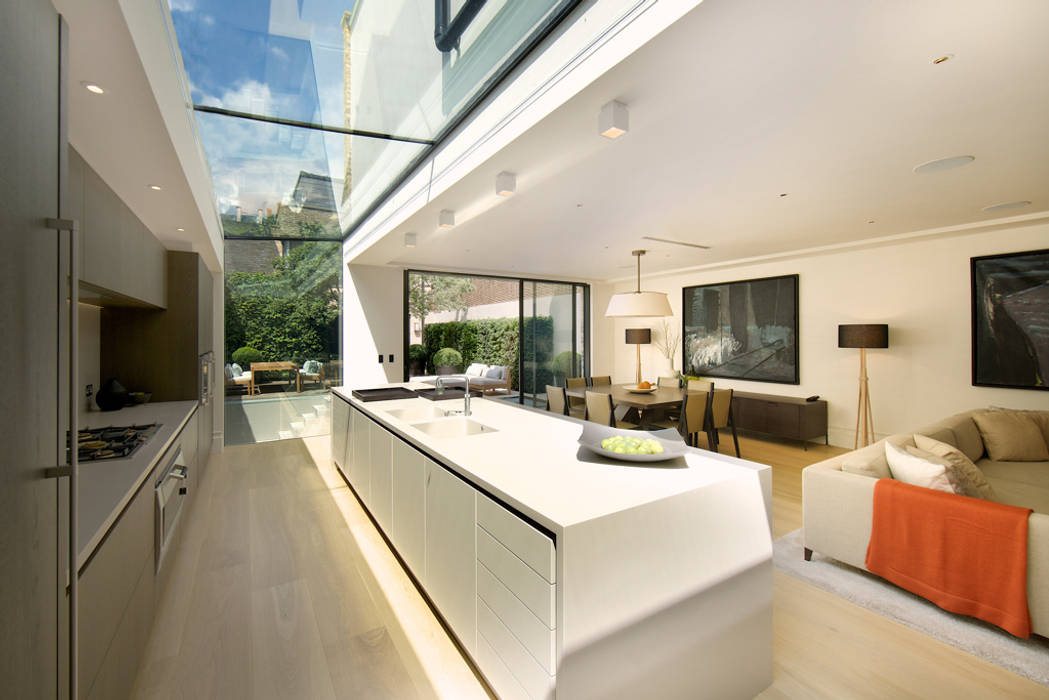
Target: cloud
x: 182, y: 5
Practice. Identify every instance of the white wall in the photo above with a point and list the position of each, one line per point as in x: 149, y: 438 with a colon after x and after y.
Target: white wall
x: 921, y: 289
x: 373, y: 322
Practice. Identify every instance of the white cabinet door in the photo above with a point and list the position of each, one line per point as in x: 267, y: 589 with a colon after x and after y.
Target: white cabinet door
x: 408, y: 528
x: 359, y: 468
x: 340, y: 419
x: 381, y: 495
x: 451, y: 551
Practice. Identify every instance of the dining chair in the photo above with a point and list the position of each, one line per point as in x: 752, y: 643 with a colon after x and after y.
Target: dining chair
x: 576, y: 405
x: 672, y: 382
x: 556, y: 400
x: 700, y: 385
x: 694, y: 410
x: 600, y: 381
x: 721, y: 417
x: 671, y: 416
x: 600, y: 409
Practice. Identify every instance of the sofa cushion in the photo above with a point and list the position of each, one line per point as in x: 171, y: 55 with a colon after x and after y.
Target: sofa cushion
x: 477, y: 369
x: 917, y: 469
x: 1011, y: 436
x: 1040, y: 418
x: 965, y: 474
x: 1024, y: 484
x: 495, y: 372
x: 966, y: 434
x: 236, y: 369
x: 867, y: 461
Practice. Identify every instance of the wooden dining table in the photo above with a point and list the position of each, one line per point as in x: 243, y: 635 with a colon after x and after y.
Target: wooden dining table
x: 655, y: 402
x: 273, y: 367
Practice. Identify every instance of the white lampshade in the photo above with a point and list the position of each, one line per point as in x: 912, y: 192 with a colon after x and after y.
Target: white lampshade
x: 639, y: 304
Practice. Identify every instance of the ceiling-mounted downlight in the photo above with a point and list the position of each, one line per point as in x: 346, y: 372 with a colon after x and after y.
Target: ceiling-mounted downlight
x: 941, y: 164
x: 505, y: 184
x: 673, y: 242
x: 614, y: 120
x: 446, y: 219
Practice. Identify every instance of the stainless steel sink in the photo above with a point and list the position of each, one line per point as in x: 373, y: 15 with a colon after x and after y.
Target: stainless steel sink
x: 453, y: 427
x: 416, y: 414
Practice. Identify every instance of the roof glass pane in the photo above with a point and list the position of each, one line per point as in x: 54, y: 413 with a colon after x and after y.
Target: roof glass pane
x: 370, y: 68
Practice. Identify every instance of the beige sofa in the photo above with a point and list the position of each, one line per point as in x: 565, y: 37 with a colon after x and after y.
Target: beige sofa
x: 838, y: 506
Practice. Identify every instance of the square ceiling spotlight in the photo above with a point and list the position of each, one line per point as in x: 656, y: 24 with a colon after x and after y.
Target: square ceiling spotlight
x: 505, y: 184
x: 446, y: 219
x: 614, y: 120
x: 409, y: 240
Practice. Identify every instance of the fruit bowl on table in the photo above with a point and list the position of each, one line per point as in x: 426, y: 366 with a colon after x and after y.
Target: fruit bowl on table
x: 640, y: 388
x: 593, y: 434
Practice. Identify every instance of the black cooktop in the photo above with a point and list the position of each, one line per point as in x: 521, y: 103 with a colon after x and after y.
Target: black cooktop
x: 113, y: 442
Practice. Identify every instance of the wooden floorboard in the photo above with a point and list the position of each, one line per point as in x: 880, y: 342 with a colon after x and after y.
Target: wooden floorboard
x: 282, y: 588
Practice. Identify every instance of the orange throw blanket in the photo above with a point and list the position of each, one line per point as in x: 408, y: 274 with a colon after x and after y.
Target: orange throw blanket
x: 965, y: 555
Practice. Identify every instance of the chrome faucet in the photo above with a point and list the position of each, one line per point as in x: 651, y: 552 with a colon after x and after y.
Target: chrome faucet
x: 466, y: 389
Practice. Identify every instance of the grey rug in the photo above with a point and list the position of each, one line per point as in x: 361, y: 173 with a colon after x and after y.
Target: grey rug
x: 1026, y: 657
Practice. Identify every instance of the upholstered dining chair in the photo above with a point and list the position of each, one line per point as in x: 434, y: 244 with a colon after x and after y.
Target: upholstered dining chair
x: 694, y: 410
x: 600, y: 381
x: 700, y: 385
x: 671, y: 382
x: 600, y: 409
x: 556, y: 400
x: 576, y: 405
x: 721, y: 417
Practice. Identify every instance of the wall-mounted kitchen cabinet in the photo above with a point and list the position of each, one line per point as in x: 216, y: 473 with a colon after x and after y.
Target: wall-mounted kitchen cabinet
x: 121, y: 262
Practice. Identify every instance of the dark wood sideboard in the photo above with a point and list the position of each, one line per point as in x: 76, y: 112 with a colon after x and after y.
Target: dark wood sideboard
x: 780, y: 416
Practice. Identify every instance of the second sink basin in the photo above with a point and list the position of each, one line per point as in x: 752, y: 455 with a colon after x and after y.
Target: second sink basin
x: 453, y: 427
x: 417, y: 413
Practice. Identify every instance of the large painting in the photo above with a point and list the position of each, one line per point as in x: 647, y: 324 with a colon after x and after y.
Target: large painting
x: 1010, y: 329
x: 742, y: 330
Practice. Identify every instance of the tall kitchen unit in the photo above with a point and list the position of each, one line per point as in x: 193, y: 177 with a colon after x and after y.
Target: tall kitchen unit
x: 34, y: 333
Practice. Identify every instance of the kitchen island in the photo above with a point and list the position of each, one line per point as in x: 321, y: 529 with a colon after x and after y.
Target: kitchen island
x: 562, y: 573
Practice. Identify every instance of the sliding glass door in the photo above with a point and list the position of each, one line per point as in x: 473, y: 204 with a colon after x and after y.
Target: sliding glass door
x: 537, y: 329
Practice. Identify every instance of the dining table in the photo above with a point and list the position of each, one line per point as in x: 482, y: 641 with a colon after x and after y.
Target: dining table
x: 647, y: 405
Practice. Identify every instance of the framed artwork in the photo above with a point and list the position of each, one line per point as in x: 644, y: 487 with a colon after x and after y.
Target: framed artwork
x: 742, y: 330
x: 1010, y: 320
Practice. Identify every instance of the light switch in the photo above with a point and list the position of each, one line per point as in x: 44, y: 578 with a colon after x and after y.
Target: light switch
x: 389, y: 358
x: 380, y: 358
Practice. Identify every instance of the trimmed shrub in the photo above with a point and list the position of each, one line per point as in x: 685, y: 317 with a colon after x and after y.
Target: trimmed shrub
x: 417, y: 353
x: 245, y: 356
x: 448, y: 357
x: 566, y: 364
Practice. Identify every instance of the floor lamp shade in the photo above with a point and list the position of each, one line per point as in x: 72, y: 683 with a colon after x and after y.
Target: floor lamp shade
x: 863, y: 336
x: 638, y: 337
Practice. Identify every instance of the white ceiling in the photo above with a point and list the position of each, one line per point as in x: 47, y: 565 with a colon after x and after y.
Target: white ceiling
x: 122, y: 135
x: 830, y: 102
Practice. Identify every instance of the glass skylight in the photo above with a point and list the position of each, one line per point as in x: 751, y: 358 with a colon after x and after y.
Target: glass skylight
x: 334, y: 101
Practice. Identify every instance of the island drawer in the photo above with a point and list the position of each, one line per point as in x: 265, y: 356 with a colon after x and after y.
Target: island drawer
x: 530, y: 545
x: 533, y: 678
x: 531, y: 588
x: 522, y: 622
x: 497, y: 674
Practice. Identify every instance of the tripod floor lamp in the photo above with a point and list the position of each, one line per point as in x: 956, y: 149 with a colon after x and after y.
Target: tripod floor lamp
x: 863, y: 336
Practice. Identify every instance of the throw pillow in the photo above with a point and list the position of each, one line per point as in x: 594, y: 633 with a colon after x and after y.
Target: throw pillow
x: 914, y: 470
x: 228, y: 372
x: 873, y: 466
x: 237, y: 371
x: 476, y: 369
x: 494, y: 372
x: 1011, y: 436
x: 1040, y: 418
x: 966, y: 474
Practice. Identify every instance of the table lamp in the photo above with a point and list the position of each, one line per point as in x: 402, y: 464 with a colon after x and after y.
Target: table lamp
x: 863, y: 336
x: 638, y: 337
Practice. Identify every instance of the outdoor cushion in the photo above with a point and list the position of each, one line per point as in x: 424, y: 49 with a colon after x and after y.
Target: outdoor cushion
x: 476, y: 369
x: 495, y: 372
x: 237, y: 371
x: 228, y: 372
x: 311, y: 367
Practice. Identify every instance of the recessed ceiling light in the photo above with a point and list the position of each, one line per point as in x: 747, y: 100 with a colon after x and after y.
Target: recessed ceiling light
x: 181, y: 230
x: 409, y: 240
x: 614, y: 120
x: 1006, y: 206
x: 935, y: 166
x: 870, y: 221
x: 156, y: 188
x: 93, y: 87
x: 782, y: 194
x: 446, y: 219
x: 505, y: 184
x: 942, y: 59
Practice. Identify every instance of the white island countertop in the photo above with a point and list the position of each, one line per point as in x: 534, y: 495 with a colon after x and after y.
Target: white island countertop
x: 107, y: 486
x: 533, y: 462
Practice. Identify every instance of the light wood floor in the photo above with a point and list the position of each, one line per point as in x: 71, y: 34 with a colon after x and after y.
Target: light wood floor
x: 282, y: 588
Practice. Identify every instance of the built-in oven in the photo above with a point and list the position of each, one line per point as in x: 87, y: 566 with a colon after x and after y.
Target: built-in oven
x: 171, y: 490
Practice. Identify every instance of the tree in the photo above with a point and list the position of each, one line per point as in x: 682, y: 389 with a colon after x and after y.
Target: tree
x: 429, y: 293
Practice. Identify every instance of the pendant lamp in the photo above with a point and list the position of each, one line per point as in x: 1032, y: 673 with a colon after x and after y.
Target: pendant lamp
x: 638, y: 303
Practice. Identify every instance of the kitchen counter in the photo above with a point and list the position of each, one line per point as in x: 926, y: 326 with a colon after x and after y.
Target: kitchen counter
x: 532, y: 461
x: 107, y: 486
x: 564, y: 573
